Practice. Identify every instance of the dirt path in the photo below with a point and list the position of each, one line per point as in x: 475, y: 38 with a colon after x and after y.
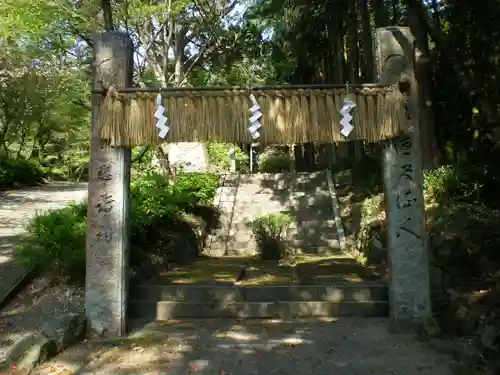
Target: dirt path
x: 344, y: 347
x: 16, y: 208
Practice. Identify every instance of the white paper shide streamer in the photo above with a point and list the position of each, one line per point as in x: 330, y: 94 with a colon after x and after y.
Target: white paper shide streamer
x: 346, y: 119
x: 255, y: 125
x: 161, y: 119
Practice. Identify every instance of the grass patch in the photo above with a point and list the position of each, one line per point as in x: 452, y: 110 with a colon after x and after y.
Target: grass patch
x: 309, y: 270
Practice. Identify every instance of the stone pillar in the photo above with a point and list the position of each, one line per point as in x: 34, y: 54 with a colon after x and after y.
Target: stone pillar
x: 403, y: 178
x: 108, y: 198
x: 232, y: 159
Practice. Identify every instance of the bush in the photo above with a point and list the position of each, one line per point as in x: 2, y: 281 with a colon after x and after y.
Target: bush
x: 19, y: 171
x: 276, y: 164
x: 271, y: 232
x: 56, y: 240
x: 218, y: 153
x: 441, y: 183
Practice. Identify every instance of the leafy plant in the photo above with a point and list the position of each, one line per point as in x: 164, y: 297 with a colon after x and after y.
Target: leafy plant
x: 441, y: 183
x: 56, y: 240
x: 271, y: 233
x: 19, y: 171
x: 218, y: 153
x: 276, y: 163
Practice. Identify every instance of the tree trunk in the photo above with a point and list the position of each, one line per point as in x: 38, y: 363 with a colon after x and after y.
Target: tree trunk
x: 367, y: 68
x: 467, y: 84
x: 180, y: 44
x: 352, y: 44
x: 426, y: 119
x: 380, y: 13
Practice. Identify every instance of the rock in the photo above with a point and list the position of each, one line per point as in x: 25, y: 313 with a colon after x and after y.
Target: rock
x: 66, y: 330
x: 56, y: 334
x: 466, y: 321
x: 188, y: 156
x: 431, y: 327
x: 41, y: 350
x: 489, y: 336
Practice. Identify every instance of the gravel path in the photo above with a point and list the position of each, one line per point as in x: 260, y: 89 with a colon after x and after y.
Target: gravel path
x: 16, y: 208
x: 228, y: 347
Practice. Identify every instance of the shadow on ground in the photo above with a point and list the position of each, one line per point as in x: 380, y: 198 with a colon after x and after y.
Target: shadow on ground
x: 350, y: 347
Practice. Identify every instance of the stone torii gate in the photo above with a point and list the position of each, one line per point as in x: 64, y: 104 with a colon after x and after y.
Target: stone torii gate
x: 109, y: 193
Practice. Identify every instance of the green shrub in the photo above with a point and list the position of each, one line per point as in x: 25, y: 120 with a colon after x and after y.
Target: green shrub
x: 19, y: 171
x: 218, y: 153
x: 271, y: 232
x: 276, y: 163
x: 441, y: 183
x: 56, y: 240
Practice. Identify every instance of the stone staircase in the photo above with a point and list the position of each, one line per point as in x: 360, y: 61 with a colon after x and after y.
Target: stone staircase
x: 165, y: 302
x: 305, y: 196
x: 308, y: 197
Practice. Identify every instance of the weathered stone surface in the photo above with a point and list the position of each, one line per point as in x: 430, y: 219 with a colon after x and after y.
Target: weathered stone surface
x: 41, y: 349
x: 166, y: 310
x: 403, y: 180
x: 58, y: 333
x: 107, y: 242
x: 304, y: 195
x: 66, y: 330
x: 188, y: 156
x: 489, y: 336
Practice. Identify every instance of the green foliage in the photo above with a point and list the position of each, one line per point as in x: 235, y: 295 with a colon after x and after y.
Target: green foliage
x: 19, y: 171
x: 218, y: 153
x: 441, y: 183
x: 271, y: 232
x: 56, y: 240
x: 195, y: 188
x: 365, y: 174
x: 276, y: 163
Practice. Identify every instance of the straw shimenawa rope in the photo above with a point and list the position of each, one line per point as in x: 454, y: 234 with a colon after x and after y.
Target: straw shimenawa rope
x: 289, y: 116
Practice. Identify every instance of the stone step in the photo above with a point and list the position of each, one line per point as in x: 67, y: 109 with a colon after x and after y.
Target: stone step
x: 247, y: 241
x: 167, y: 310
x: 164, y: 302
x: 340, y: 292
x: 222, y: 252
x: 218, y: 249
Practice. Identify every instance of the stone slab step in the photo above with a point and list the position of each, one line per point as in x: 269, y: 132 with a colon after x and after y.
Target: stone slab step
x: 166, y: 310
x: 320, y: 246
x: 222, y: 252
x: 219, y: 250
x: 348, y: 292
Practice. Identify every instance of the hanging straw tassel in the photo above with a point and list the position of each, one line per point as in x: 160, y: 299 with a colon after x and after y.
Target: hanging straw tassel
x: 135, y: 132
x: 277, y: 113
x: 393, y: 113
x: 312, y: 131
x: 304, y: 108
x: 111, y: 117
x: 332, y: 118
x: 371, y: 105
